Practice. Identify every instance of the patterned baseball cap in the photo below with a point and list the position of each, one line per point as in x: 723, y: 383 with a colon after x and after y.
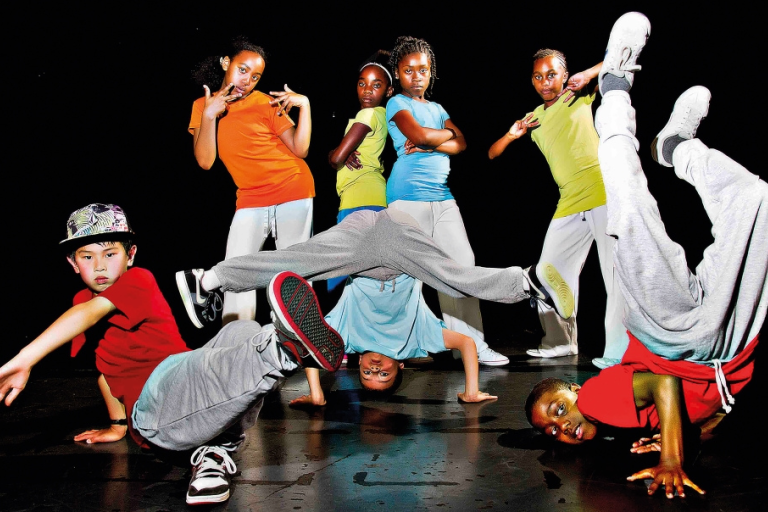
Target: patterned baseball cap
x: 97, y: 220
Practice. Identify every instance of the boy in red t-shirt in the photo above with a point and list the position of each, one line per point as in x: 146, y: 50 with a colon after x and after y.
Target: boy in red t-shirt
x: 217, y: 390
x: 692, y: 334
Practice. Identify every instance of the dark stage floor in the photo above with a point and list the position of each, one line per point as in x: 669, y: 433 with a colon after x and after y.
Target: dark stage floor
x: 422, y: 450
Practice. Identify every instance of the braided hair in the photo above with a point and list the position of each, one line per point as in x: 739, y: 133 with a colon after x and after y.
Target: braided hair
x: 549, y: 52
x: 209, y: 71
x: 406, y: 45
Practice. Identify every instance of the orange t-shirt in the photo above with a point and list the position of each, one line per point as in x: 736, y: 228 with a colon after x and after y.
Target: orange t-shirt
x: 264, y: 169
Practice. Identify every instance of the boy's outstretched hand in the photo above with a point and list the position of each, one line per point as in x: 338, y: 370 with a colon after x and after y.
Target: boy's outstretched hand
x: 480, y: 396
x: 671, y: 476
x: 13, y: 379
x: 307, y: 400
x: 104, y: 435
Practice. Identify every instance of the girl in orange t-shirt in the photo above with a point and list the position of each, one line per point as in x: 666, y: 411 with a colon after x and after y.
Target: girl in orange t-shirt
x: 263, y: 150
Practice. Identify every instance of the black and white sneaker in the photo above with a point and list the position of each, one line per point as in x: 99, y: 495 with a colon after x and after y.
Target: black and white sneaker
x: 212, y: 468
x: 203, y: 307
x: 296, y: 314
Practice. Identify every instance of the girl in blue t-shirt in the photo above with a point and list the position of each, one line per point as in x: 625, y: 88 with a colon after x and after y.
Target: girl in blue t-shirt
x: 425, y: 137
x: 384, y: 322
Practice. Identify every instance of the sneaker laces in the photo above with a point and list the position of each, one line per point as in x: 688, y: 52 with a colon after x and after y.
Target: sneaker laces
x: 624, y: 63
x: 687, y: 123
x: 211, y: 307
x: 208, y: 466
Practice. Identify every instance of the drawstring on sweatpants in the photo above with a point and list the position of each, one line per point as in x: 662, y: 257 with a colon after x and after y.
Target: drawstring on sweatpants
x: 381, y: 289
x: 722, y: 386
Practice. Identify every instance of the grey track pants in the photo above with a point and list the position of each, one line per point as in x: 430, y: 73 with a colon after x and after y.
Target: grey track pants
x: 193, y: 397
x: 381, y: 245
x: 714, y: 312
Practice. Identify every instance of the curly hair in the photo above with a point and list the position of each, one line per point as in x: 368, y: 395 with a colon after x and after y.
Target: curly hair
x: 209, y: 71
x: 549, y: 52
x: 406, y: 45
x: 549, y: 384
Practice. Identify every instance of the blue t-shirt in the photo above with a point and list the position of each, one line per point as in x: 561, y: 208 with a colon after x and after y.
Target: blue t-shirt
x: 418, y: 176
x: 388, y: 317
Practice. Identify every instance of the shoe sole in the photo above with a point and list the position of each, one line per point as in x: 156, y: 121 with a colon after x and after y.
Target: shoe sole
x: 181, y: 284
x: 493, y: 363
x: 562, y: 296
x: 296, y: 310
x: 205, y: 500
x: 537, y: 353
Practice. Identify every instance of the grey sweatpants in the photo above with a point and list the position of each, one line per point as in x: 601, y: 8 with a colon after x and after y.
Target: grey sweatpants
x: 714, y: 312
x: 381, y: 245
x: 193, y: 398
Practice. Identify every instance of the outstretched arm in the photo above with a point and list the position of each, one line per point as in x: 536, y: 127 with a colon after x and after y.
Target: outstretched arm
x: 665, y: 392
x: 345, y: 152
x: 116, y: 411
x: 15, y: 373
x: 468, y: 349
x: 517, y: 130
x: 296, y: 138
x: 315, y: 396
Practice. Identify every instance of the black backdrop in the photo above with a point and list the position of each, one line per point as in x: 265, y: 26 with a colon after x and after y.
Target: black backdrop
x: 99, y: 104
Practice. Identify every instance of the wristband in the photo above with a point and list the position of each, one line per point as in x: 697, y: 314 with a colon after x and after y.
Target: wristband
x: 453, y: 132
x: 122, y: 421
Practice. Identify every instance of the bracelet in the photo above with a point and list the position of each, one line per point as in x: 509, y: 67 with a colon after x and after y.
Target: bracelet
x: 122, y: 421
x: 453, y: 132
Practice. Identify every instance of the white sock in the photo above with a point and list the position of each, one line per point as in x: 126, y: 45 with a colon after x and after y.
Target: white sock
x: 210, y: 281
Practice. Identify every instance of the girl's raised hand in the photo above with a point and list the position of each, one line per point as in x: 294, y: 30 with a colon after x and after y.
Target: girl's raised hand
x: 520, y: 127
x: 577, y: 82
x: 288, y: 99
x: 216, y: 104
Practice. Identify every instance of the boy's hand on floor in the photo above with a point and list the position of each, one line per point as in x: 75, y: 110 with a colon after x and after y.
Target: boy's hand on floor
x: 670, y: 476
x: 647, y: 444
x: 481, y: 396
x: 104, y: 435
x: 306, y: 401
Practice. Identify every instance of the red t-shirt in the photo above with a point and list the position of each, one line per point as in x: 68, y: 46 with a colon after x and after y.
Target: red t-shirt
x: 141, y: 333
x: 609, y: 397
